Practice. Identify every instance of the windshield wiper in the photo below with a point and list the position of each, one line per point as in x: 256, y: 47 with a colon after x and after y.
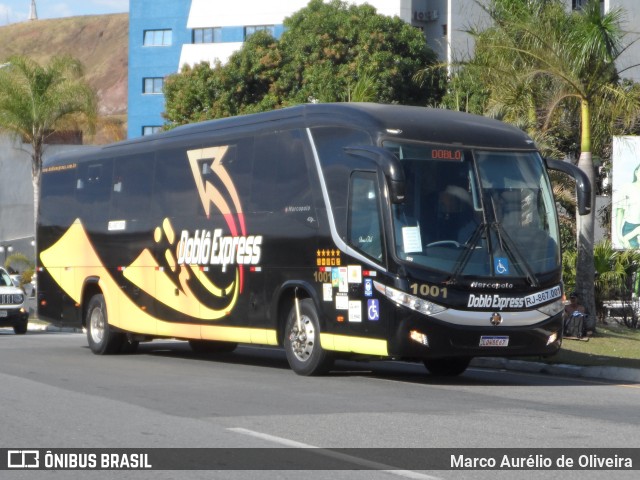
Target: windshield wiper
x: 507, y: 245
x: 469, y: 247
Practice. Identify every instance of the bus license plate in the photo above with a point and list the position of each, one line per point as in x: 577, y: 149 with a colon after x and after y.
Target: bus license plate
x: 3, y: 313
x: 492, y: 341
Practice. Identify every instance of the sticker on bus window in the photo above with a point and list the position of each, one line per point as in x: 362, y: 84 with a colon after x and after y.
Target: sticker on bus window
x: 411, y: 240
x: 343, y: 284
x: 501, y: 265
x: 327, y: 292
x: 355, y: 311
x: 342, y: 302
x: 355, y: 273
x: 373, y: 310
x: 335, y: 277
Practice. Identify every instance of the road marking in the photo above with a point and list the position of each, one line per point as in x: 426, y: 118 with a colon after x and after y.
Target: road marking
x: 337, y: 455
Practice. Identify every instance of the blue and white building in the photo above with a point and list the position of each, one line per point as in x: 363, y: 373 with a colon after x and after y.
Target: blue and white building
x: 166, y: 34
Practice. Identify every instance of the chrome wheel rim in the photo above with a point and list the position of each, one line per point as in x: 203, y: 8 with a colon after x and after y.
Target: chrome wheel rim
x: 303, y: 340
x: 97, y: 325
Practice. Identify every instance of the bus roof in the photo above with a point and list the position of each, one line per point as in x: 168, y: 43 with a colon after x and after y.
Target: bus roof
x: 408, y: 122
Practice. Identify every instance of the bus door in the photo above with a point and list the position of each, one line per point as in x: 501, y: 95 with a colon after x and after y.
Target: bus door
x: 366, y: 235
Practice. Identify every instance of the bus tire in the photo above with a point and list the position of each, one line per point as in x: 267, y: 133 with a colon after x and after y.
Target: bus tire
x: 102, y: 338
x: 447, y: 367
x: 212, y: 346
x: 302, y: 347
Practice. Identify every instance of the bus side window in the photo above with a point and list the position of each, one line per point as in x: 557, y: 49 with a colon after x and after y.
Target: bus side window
x: 281, y: 176
x: 57, y: 188
x: 365, y: 232
x: 93, y: 193
x: 132, y: 189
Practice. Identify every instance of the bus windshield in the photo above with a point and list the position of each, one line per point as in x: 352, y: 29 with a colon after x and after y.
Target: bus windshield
x: 475, y: 213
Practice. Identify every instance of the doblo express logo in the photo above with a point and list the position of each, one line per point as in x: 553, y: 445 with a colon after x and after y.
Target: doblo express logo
x: 212, y: 247
x: 175, y: 271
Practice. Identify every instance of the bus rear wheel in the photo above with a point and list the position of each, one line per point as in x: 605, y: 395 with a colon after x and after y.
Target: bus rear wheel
x: 302, y: 342
x: 447, y: 367
x: 100, y: 335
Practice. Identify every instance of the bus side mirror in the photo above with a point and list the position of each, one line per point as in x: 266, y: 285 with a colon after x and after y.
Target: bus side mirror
x: 583, y: 186
x: 390, y: 166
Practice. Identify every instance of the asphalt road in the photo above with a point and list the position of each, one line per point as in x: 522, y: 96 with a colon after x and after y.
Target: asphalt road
x: 56, y: 394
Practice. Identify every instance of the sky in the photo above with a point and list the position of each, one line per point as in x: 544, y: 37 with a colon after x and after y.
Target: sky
x: 13, y: 11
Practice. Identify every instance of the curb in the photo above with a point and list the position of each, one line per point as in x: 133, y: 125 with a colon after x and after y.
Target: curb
x: 631, y: 375
x: 31, y: 327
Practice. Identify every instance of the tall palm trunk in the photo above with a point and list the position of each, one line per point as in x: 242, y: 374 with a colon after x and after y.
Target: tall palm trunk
x: 585, y: 274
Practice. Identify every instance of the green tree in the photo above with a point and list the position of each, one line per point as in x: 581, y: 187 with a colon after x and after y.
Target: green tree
x: 329, y: 52
x: 548, y: 63
x: 328, y: 46
x: 191, y: 94
x: 37, y: 101
x: 613, y: 271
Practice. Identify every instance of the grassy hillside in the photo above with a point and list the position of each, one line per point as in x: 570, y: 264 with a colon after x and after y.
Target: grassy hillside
x: 100, y: 42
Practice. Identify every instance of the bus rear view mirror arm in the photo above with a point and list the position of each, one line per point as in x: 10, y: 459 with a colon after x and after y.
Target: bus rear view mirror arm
x: 583, y: 186
x: 389, y: 164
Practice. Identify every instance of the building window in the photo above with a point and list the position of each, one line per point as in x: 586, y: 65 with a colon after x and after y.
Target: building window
x: 150, y: 130
x: 579, y: 4
x: 152, y: 85
x: 207, y: 35
x: 248, y: 31
x: 444, y: 30
x: 157, y: 38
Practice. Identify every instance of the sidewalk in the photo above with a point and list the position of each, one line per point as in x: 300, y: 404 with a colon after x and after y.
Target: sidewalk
x: 41, y: 327
x: 618, y: 374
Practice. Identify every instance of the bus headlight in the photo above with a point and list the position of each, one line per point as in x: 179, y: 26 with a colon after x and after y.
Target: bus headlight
x: 407, y: 300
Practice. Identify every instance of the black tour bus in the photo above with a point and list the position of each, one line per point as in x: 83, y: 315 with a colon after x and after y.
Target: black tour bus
x: 330, y: 230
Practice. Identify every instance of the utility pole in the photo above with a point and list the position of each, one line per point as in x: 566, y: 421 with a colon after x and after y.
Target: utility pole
x: 33, y: 13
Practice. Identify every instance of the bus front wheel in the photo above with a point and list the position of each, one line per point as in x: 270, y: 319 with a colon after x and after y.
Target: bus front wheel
x: 447, y: 367
x: 302, y: 341
x: 100, y: 335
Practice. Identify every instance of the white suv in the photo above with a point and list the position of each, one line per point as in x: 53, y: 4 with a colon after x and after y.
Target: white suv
x: 13, y: 311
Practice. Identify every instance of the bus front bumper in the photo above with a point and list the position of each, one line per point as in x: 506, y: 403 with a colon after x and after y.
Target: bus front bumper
x: 418, y: 336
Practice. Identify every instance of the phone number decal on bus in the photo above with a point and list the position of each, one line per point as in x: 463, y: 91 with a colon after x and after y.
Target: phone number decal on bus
x: 542, y: 297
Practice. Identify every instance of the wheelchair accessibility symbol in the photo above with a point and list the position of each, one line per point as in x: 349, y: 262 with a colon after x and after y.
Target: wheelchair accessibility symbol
x: 373, y: 310
x: 501, y: 265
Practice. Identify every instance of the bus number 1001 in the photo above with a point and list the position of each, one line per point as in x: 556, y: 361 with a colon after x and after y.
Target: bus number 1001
x: 429, y: 290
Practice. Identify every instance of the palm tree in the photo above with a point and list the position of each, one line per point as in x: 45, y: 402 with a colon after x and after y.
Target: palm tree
x: 37, y: 101
x: 572, y: 55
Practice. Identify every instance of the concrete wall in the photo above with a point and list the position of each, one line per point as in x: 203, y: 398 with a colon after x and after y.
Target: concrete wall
x: 16, y: 195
